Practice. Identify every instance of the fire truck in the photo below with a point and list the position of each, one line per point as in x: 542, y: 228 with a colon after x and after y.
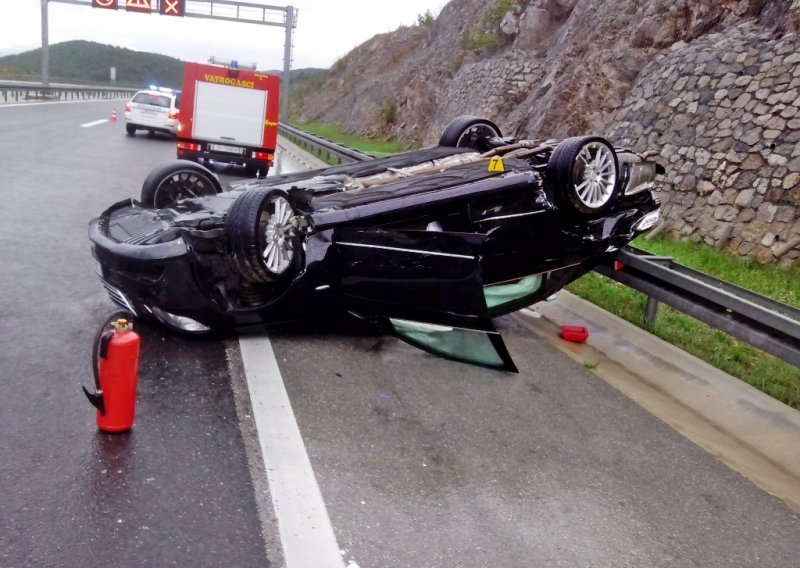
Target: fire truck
x: 229, y: 114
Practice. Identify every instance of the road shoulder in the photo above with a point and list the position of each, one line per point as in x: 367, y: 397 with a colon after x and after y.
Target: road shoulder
x: 744, y: 428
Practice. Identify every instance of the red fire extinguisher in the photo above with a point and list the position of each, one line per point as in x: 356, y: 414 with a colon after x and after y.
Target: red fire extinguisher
x: 115, y: 362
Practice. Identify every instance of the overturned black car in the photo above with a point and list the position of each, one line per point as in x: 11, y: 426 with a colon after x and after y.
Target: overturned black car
x: 429, y: 245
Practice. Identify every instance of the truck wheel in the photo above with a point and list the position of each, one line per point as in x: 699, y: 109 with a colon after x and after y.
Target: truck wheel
x: 261, y: 239
x: 130, y: 129
x: 181, y: 179
x: 469, y: 132
x: 256, y: 171
x: 583, y: 175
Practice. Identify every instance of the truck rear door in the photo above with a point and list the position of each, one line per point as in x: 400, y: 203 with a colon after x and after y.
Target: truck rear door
x: 229, y: 114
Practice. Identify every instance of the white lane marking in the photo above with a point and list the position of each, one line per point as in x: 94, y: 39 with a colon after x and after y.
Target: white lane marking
x: 305, y: 528
x: 95, y: 123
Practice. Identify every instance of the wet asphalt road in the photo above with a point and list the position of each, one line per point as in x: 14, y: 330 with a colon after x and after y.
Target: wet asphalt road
x: 420, y: 461
x: 175, y: 491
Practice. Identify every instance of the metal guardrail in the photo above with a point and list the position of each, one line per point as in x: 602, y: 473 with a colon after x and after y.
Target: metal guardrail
x: 764, y: 323
x: 325, y: 150
x: 13, y: 92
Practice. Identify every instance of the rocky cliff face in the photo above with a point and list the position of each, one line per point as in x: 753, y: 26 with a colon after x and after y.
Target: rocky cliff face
x: 688, y: 78
x: 724, y: 112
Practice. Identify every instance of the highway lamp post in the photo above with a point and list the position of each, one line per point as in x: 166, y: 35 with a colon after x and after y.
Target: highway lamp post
x: 287, y: 60
x: 45, y: 50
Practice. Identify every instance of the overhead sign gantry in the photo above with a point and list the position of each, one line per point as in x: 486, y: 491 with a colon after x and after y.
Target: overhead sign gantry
x: 229, y: 10
x: 165, y: 7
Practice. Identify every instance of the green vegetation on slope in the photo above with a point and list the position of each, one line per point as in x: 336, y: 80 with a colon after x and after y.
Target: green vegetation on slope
x: 13, y: 73
x: 776, y: 283
x: 304, y: 85
x: 299, y: 75
x: 485, y: 37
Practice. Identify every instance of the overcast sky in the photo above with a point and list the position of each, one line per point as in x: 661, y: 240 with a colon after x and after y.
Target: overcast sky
x: 326, y: 30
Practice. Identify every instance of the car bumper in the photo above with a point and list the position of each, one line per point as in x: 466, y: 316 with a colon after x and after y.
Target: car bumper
x: 152, y: 280
x: 224, y: 158
x: 196, y: 150
x: 170, y: 125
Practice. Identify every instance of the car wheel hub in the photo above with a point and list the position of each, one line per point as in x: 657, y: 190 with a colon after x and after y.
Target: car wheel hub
x: 279, y: 251
x: 181, y: 185
x: 598, y: 177
x: 471, y: 135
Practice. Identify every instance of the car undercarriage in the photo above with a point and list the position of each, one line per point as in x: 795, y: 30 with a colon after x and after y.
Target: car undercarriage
x: 446, y: 237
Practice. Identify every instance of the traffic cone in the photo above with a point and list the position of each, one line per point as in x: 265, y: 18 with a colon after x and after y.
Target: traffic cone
x: 114, y: 115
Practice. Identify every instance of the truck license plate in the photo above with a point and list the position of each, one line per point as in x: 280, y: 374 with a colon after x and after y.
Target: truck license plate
x: 225, y: 148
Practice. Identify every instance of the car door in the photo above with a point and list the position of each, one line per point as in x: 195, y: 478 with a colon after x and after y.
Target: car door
x: 427, y: 288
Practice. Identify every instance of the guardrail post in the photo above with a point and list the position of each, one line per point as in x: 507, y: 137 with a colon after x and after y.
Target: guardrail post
x: 650, y: 311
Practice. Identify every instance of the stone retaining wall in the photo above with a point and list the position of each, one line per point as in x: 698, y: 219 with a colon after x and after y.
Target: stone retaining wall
x: 725, y: 112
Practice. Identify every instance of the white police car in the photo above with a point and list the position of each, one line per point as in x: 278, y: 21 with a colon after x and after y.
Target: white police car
x: 155, y: 110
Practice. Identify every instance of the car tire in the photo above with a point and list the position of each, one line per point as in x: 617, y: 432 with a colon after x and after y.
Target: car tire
x: 181, y: 179
x: 260, y: 239
x: 469, y: 132
x: 583, y: 175
x: 130, y: 129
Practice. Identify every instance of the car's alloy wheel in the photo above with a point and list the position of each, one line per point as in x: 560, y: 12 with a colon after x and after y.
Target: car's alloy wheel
x: 181, y: 179
x: 261, y: 239
x: 583, y: 175
x: 279, y: 250
x: 596, y: 175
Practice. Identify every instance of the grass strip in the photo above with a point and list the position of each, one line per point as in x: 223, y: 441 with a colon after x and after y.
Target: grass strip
x: 374, y: 147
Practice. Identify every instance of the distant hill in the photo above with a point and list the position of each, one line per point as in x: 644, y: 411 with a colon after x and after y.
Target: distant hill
x: 89, y: 62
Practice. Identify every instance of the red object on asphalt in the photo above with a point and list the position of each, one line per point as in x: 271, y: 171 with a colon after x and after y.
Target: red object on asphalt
x: 118, y: 370
x: 574, y: 333
x: 114, y: 115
